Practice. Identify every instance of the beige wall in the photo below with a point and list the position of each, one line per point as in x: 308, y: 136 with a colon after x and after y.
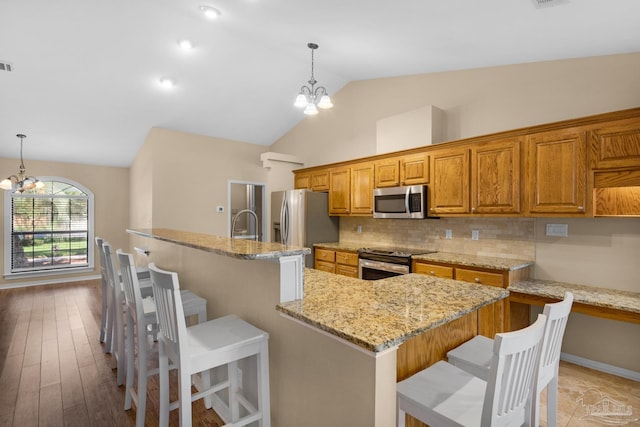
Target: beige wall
x: 110, y: 186
x: 599, y: 252
x: 185, y: 176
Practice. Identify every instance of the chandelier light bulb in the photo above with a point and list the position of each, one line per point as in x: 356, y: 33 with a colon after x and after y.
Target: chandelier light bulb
x: 167, y: 83
x: 210, y: 12
x: 311, y: 109
x: 185, y: 44
x: 301, y: 100
x: 325, y: 102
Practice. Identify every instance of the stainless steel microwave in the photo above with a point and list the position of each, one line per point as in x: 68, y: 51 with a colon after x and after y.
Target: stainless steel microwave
x: 400, y: 202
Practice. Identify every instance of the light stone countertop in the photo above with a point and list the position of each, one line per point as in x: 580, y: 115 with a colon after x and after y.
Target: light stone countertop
x: 235, y: 248
x: 380, y: 314
x: 591, y: 295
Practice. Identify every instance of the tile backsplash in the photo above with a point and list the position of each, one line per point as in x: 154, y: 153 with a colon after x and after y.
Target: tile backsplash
x: 499, y: 237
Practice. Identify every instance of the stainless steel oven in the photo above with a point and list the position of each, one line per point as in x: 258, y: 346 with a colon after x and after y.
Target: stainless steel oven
x: 380, y: 263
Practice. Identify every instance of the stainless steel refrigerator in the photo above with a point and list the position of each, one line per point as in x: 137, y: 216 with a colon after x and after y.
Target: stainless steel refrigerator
x: 301, y: 218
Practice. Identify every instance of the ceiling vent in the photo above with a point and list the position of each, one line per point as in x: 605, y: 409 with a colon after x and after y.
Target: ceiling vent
x: 548, y: 3
x: 5, y: 66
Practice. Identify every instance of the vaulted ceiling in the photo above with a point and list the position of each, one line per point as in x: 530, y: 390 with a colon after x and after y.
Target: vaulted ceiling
x: 84, y: 81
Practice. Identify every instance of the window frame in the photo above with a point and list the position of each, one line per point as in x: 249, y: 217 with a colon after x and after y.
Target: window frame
x: 8, y: 219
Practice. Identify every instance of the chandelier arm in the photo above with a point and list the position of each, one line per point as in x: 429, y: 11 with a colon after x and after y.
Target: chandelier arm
x: 320, y: 91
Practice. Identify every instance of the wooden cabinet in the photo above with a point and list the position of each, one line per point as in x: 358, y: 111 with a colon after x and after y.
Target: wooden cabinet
x: 344, y: 263
x: 480, y: 277
x: 387, y: 173
x: 362, y: 189
x: 495, y: 177
x: 316, y: 181
x: 414, y: 169
x: 449, y: 182
x: 556, y: 172
x: 340, y: 191
x: 433, y: 270
x: 616, y: 145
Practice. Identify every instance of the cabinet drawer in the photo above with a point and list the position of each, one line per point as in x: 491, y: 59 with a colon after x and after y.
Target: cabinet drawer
x: 482, y: 277
x: 325, y: 266
x: 347, y: 270
x: 434, y: 270
x: 347, y: 258
x: 325, y: 255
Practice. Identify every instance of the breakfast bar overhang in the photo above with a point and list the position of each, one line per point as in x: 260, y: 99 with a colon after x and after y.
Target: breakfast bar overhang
x: 337, y: 345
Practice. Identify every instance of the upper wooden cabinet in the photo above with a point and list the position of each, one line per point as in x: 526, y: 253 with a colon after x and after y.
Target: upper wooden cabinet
x: 556, y: 172
x: 449, y: 182
x: 316, y: 181
x: 407, y: 170
x: 362, y: 189
x: 616, y: 145
x: 414, y: 169
x: 387, y: 173
x: 495, y: 177
x: 340, y: 191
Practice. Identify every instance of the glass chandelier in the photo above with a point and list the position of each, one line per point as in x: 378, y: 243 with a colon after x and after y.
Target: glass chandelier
x: 20, y: 182
x: 312, y: 98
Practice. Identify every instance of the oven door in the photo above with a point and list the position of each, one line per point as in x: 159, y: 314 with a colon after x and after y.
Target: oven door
x: 374, y: 270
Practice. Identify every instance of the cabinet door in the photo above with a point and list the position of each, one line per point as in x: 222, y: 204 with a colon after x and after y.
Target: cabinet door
x: 326, y: 255
x: 347, y: 270
x: 433, y: 270
x: 347, y: 258
x: 616, y: 145
x: 362, y: 189
x: 320, y: 181
x: 414, y: 169
x: 480, y: 277
x: 557, y: 172
x: 495, y: 177
x: 302, y: 181
x: 339, y: 191
x: 329, y: 267
x: 387, y: 173
x: 450, y: 182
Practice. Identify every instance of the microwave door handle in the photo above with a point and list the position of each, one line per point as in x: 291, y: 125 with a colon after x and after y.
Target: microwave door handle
x: 406, y: 200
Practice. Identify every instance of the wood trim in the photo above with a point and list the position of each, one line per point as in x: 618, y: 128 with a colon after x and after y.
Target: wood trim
x: 579, y: 307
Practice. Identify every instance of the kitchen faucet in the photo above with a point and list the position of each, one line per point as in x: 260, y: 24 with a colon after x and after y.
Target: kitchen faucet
x: 235, y: 219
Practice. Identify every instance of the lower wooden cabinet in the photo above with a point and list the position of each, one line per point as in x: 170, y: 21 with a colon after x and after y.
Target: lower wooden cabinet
x: 344, y: 263
x: 488, y: 317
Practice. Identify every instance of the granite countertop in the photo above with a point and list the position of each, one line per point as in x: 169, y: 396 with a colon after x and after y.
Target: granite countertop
x: 602, y: 297
x: 339, y: 246
x: 235, y: 248
x: 493, y: 263
x: 380, y: 314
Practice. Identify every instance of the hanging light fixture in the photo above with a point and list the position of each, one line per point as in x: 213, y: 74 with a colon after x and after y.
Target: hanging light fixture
x: 21, y: 182
x: 312, y: 98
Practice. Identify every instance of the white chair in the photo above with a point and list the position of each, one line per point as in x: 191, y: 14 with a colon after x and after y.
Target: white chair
x: 106, y: 325
x: 474, y: 356
x: 219, y: 342
x: 445, y: 395
x: 141, y: 322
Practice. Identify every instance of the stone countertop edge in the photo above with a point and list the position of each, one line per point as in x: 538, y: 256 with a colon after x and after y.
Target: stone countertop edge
x: 234, y: 248
x: 591, y: 295
x: 347, y: 313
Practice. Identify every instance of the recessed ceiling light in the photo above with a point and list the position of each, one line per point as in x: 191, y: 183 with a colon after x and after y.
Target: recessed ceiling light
x: 210, y: 12
x: 185, y: 44
x: 167, y: 82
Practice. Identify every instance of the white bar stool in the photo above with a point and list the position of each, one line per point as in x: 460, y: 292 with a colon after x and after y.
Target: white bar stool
x: 194, y: 349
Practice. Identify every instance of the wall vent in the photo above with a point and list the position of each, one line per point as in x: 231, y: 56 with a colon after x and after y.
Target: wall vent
x: 548, y: 3
x: 5, y: 66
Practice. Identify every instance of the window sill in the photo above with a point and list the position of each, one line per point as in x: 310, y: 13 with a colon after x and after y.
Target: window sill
x: 66, y: 271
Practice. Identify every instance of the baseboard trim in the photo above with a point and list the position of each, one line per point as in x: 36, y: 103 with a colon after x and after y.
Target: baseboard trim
x: 49, y: 282
x: 599, y: 366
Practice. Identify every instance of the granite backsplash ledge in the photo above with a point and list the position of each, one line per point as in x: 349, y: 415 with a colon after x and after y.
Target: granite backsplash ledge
x: 499, y: 237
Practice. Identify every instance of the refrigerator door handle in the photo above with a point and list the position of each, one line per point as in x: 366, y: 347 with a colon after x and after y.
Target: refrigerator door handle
x: 284, y: 221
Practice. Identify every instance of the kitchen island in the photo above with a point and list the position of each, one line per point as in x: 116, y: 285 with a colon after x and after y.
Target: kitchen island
x: 336, y: 352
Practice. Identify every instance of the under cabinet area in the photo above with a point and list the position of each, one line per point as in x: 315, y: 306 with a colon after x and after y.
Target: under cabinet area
x: 344, y: 263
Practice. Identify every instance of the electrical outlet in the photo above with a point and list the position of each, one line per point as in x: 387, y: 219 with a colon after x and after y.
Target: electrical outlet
x: 219, y: 208
x: 557, y: 230
x: 448, y: 234
x: 359, y: 229
x: 475, y: 235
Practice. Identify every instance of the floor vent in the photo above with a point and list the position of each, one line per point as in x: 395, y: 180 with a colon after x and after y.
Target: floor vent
x: 5, y: 66
x: 548, y: 3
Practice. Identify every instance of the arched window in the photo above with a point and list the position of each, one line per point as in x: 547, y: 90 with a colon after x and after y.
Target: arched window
x: 49, y: 229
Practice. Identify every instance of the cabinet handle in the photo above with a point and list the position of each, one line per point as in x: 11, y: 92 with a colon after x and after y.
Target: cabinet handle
x: 473, y: 209
x: 432, y: 209
x: 580, y: 208
x: 477, y: 280
x: 433, y: 273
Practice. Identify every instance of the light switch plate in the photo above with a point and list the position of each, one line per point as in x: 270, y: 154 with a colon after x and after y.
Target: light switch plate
x: 448, y: 234
x: 475, y: 234
x: 558, y: 230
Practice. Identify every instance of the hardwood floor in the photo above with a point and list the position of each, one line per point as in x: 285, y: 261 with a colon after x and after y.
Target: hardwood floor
x: 54, y: 371
x: 53, y: 368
